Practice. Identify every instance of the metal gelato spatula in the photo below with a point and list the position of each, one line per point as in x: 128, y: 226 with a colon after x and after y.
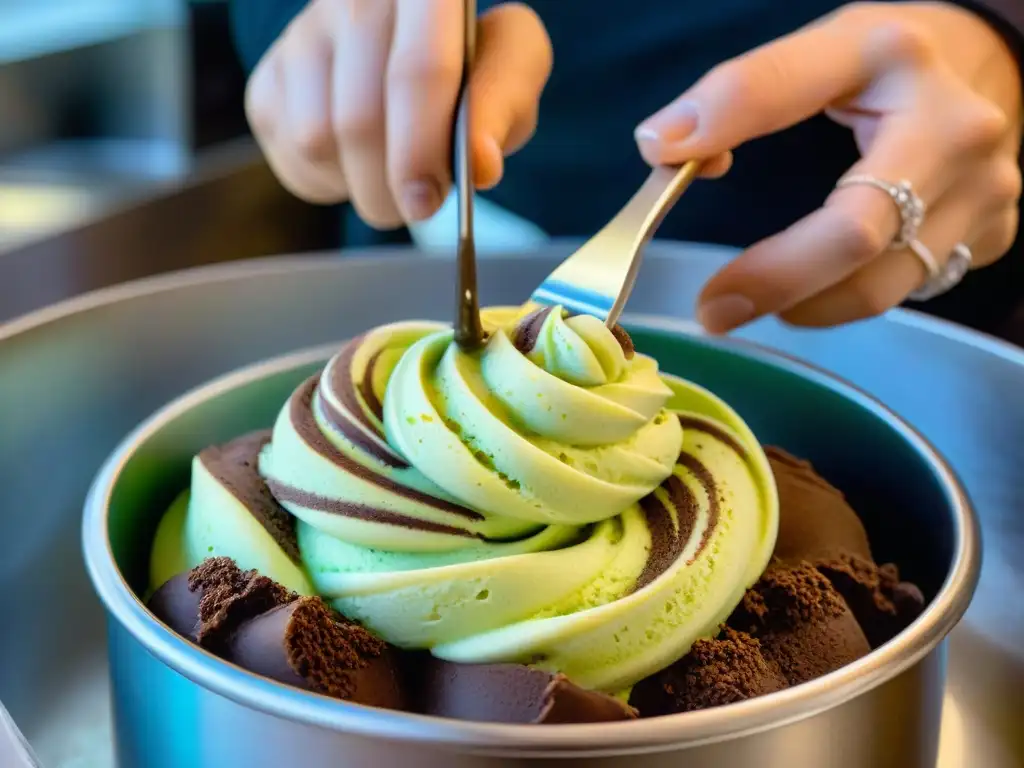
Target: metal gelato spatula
x: 598, y: 278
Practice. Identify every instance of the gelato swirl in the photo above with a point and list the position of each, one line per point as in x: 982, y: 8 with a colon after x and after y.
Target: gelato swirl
x: 550, y: 499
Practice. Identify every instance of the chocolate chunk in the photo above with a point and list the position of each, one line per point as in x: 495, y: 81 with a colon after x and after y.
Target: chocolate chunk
x: 209, y: 602
x: 723, y: 670
x: 177, y: 606
x: 815, y: 521
x: 507, y: 693
x: 305, y: 644
x: 803, y: 624
x: 884, y: 605
x: 566, y: 702
x: 235, y: 466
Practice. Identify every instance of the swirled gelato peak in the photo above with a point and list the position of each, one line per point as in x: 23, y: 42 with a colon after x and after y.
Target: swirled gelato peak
x: 512, y: 436
x: 579, y: 349
x: 550, y: 499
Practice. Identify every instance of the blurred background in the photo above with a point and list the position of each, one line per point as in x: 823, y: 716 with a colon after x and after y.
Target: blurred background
x: 124, y: 149
x: 124, y: 152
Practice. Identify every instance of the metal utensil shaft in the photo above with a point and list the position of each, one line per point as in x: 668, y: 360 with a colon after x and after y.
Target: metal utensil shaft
x: 468, y: 329
x: 642, y: 216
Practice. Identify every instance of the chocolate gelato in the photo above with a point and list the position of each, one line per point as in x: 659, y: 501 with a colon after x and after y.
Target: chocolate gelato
x: 804, y: 626
x: 822, y: 604
x: 815, y: 521
x: 726, y: 669
x: 818, y: 526
x: 883, y: 604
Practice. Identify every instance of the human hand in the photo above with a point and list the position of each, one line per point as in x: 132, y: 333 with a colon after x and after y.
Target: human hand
x: 932, y: 95
x: 355, y: 101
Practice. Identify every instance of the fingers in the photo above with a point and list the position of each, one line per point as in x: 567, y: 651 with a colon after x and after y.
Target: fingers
x: 853, y: 227
x: 358, y: 111
x: 287, y: 104
x: 939, y: 134
x: 996, y: 239
x: 513, y: 64
x: 357, y: 98
x: 423, y: 76
x: 982, y: 213
x: 783, y: 83
x: 766, y: 90
x: 888, y: 279
x: 878, y: 72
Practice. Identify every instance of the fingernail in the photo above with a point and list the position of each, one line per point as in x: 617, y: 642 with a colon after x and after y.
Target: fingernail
x: 672, y: 125
x: 420, y: 199
x: 723, y: 313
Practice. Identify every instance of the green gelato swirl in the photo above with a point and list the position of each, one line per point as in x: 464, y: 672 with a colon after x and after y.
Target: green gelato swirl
x: 550, y: 499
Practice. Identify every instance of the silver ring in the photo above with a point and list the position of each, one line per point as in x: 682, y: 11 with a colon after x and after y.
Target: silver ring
x: 911, y: 207
x: 946, y: 278
x: 927, y: 258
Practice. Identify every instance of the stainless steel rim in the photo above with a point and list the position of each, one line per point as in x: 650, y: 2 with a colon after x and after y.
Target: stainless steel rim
x: 688, y: 729
x: 312, y: 262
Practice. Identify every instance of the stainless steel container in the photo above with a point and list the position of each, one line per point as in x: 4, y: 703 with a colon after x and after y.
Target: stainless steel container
x: 177, y: 706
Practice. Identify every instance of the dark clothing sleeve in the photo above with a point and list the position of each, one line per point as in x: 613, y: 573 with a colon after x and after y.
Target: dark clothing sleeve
x: 257, y: 23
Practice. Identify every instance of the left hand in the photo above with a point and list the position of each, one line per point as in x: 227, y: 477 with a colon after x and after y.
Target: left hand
x: 932, y: 94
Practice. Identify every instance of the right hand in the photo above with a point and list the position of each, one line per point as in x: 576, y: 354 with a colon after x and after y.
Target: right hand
x: 355, y: 101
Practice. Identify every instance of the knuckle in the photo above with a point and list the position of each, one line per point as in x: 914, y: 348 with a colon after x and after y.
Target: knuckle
x: 358, y: 126
x: 1006, y: 233
x: 739, y: 84
x: 867, y: 299
x: 981, y: 126
x: 516, y: 13
x: 303, y: 191
x: 909, y: 42
x: 859, y: 237
x: 1006, y: 183
x: 519, y: 137
x: 312, y: 139
x: 1011, y: 229
x: 413, y: 70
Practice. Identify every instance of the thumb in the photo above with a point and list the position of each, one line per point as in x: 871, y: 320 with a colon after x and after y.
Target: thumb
x: 513, y: 63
